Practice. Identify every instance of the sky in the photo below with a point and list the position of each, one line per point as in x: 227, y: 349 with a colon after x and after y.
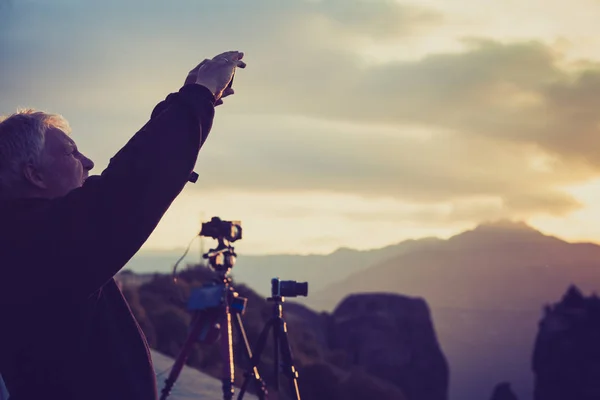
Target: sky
x: 356, y: 123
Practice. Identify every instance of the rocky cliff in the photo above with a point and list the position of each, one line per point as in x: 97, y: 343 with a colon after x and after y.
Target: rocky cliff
x: 503, y: 391
x: 566, y: 359
x: 392, y: 337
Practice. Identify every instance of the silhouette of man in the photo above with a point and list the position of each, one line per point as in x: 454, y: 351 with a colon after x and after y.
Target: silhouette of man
x: 67, y: 331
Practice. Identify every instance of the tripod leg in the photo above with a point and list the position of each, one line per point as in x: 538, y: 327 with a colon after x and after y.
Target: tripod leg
x: 227, y: 354
x: 276, y: 357
x: 287, y: 365
x: 260, y: 346
x: 198, y: 325
x: 253, y: 372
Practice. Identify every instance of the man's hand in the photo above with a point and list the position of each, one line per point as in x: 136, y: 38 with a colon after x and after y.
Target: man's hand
x: 217, y: 74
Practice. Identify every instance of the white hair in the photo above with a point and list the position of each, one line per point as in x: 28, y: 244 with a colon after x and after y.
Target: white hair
x: 22, y: 138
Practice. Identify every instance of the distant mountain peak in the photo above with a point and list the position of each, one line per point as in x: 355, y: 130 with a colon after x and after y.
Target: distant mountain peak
x: 344, y: 249
x: 499, y: 232
x: 506, y: 224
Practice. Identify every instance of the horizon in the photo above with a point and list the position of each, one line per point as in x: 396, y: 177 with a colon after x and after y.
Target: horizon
x: 194, y: 249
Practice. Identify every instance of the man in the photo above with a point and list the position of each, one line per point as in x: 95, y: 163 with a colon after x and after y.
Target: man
x: 66, y: 331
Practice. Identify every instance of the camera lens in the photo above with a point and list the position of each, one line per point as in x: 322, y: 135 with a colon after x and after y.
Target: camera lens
x: 293, y: 288
x: 302, y: 288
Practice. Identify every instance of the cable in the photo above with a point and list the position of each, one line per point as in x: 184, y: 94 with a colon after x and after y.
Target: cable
x: 181, y: 297
x: 181, y: 258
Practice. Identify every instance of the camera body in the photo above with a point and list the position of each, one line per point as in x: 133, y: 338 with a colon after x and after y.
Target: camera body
x: 216, y: 228
x: 281, y: 288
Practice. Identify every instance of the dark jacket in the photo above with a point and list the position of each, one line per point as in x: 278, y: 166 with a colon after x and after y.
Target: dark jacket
x: 66, y: 332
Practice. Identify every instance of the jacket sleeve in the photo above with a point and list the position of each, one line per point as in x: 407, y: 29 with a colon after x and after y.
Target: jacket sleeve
x: 78, y: 242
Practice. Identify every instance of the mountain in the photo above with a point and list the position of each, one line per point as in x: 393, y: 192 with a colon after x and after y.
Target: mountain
x: 486, y: 288
x: 494, y: 266
x: 256, y: 271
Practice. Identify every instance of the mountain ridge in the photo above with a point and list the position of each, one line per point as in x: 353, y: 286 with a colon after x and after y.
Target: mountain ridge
x: 321, y: 270
x: 487, y: 288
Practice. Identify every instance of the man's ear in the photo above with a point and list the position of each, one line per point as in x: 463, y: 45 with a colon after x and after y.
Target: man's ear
x: 34, y: 177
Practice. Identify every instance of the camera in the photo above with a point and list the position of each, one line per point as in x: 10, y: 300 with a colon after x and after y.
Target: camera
x: 281, y: 288
x: 219, y: 229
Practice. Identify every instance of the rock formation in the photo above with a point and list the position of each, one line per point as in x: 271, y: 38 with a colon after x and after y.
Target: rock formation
x: 503, y: 391
x: 566, y: 359
x: 392, y: 338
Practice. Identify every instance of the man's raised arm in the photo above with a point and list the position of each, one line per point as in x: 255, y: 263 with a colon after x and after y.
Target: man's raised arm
x: 76, y: 243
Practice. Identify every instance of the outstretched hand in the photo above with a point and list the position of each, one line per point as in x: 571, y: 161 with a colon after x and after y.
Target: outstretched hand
x: 217, y: 73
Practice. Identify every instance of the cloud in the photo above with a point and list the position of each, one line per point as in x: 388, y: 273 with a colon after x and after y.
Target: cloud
x: 415, y: 164
x: 495, y: 128
x: 379, y: 20
x: 141, y: 45
x: 518, y: 92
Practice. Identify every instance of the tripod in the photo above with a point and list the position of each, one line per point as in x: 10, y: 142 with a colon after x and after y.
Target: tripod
x: 214, y: 304
x: 281, y: 344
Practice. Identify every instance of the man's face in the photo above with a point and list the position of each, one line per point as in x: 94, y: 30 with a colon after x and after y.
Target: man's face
x: 63, y: 167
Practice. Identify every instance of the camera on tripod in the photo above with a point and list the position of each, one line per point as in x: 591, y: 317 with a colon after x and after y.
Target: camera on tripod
x: 281, y: 288
x: 216, y: 306
x: 216, y: 228
x: 226, y: 232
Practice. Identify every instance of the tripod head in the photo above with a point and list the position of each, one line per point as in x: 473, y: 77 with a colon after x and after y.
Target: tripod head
x: 222, y: 259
